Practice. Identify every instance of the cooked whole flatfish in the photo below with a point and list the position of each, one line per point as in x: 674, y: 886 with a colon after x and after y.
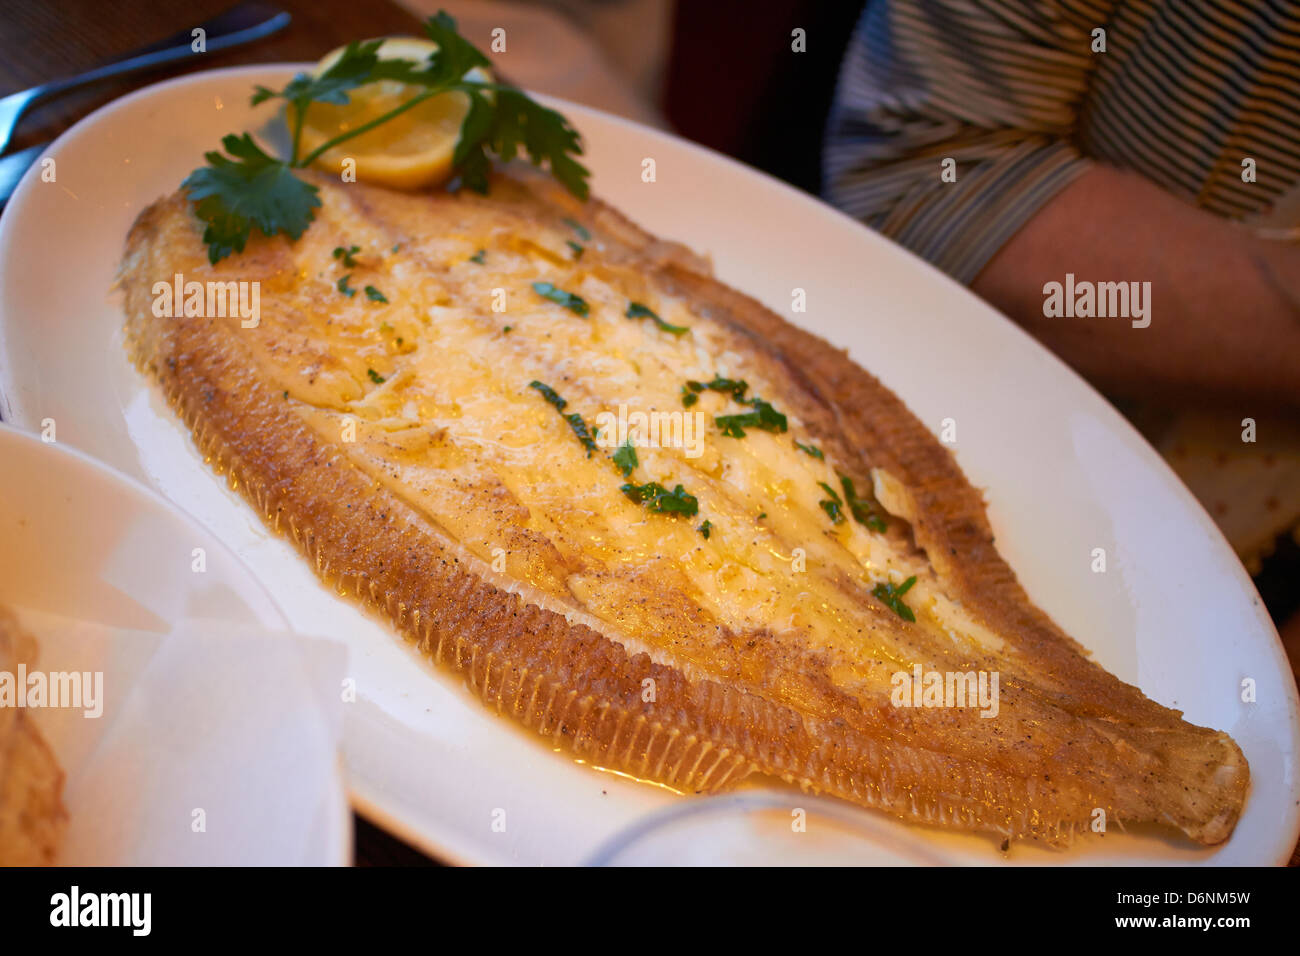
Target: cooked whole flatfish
x: 644, y: 515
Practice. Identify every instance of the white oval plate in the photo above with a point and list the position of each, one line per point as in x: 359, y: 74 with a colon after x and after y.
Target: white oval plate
x: 202, y: 702
x: 1175, y: 613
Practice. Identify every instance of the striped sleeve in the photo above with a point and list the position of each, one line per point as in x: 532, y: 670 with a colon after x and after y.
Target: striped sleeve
x: 994, y: 85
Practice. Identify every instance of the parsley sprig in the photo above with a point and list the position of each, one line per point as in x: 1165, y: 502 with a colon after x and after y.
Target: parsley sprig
x: 764, y: 417
x: 574, y: 303
x: 635, y: 310
x: 246, y: 188
x: 863, y: 509
x: 833, y: 506
x: 892, y: 596
x: 625, y: 459
x: 576, y: 422
x: 660, y: 500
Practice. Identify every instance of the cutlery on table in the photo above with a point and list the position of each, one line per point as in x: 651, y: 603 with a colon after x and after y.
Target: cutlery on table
x: 236, y: 26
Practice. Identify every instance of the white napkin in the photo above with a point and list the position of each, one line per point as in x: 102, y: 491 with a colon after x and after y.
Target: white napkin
x: 217, y: 744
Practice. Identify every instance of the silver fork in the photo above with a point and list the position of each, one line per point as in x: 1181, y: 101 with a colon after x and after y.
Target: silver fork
x: 238, y: 25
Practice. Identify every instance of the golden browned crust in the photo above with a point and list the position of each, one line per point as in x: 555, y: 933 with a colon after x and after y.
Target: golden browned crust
x: 1130, y: 756
x: 32, y: 816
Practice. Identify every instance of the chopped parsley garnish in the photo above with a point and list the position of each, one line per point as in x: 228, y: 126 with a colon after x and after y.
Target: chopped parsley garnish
x: 625, y: 458
x: 735, y: 387
x: 861, y: 508
x: 575, y: 304
x: 580, y: 429
x: 660, y: 500
x: 635, y: 310
x: 246, y: 189
x: 549, y: 394
x: 575, y: 420
x: 577, y: 249
x: 810, y: 450
x: 833, y: 505
x: 764, y: 417
x: 374, y: 295
x: 342, y: 286
x: 706, y: 528
x: 375, y: 376
x: 508, y: 328
x: 893, y: 597
x: 347, y: 255
x: 579, y: 228
x: 478, y: 256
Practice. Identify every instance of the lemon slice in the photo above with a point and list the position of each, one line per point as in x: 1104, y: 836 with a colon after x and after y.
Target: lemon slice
x: 410, y: 151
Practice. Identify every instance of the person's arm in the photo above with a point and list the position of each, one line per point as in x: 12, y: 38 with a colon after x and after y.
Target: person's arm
x: 953, y: 121
x: 1225, y: 305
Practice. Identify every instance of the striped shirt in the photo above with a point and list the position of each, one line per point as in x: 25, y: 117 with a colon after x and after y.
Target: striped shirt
x: 1012, y: 91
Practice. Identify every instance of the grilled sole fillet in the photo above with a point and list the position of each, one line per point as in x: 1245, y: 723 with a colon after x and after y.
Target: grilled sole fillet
x: 32, y: 817
x: 401, y: 446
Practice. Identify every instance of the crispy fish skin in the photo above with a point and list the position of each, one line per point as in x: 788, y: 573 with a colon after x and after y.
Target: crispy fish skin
x: 1070, y: 738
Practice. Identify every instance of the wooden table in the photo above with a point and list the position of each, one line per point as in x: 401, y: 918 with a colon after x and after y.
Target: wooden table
x: 44, y: 39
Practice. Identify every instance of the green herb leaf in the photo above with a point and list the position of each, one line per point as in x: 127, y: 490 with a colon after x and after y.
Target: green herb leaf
x: 375, y: 376
x: 810, y: 450
x: 478, y: 256
x: 625, y: 458
x: 735, y: 387
x: 893, y: 597
x: 255, y: 190
x: 577, y: 249
x: 506, y: 122
x: 347, y: 256
x: 252, y: 190
x: 549, y: 394
x: 342, y: 286
x: 374, y: 295
x: 512, y: 123
x: 574, y: 419
x: 455, y: 55
x: 660, y: 500
x: 635, y: 310
x: 689, y: 398
x: 358, y: 65
x: 833, y: 505
x: 354, y: 67
x: 575, y: 304
x: 765, y: 417
x: 581, y: 430
x: 863, y: 509
x: 706, y: 528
